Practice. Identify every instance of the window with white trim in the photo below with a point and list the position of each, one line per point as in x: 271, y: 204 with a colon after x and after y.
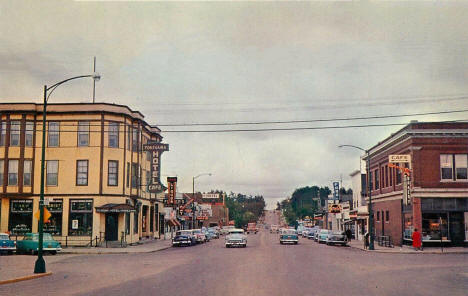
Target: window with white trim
x: 12, y: 172
x: 53, y: 134
x: 29, y: 134
x: 83, y: 133
x: 52, y: 173
x: 15, y: 129
x: 27, y: 169
x: 454, y: 167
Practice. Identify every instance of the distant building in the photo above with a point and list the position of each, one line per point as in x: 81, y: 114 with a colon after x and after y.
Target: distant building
x: 96, y: 173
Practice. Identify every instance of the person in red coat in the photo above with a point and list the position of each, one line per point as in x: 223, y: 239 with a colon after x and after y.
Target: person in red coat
x: 417, y: 244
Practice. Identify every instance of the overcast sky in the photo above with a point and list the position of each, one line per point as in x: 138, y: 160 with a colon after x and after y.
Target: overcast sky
x: 220, y: 62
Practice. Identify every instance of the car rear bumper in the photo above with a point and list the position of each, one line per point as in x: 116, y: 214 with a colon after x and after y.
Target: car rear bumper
x: 289, y: 240
x: 7, y: 249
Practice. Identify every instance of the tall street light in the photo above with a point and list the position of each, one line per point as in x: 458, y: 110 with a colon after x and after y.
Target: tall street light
x: 369, y: 190
x: 193, y: 196
x: 39, y: 266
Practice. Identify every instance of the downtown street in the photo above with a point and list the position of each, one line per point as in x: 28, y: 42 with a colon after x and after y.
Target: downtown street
x: 263, y: 268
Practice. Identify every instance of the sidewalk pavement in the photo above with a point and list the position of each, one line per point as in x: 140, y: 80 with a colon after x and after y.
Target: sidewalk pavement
x: 145, y: 246
x: 17, y: 268
x: 357, y: 244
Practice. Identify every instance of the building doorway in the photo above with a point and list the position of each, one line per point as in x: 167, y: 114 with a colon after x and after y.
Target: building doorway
x: 456, y: 228
x: 112, y: 226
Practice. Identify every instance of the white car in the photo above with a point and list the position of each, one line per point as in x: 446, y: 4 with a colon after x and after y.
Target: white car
x: 236, y: 238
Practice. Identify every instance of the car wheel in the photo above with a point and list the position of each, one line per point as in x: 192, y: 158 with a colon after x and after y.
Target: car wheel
x: 281, y: 242
x: 53, y: 252
x: 295, y: 243
x: 244, y: 246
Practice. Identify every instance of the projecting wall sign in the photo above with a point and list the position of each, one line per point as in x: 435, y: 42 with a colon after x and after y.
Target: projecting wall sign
x: 156, y: 150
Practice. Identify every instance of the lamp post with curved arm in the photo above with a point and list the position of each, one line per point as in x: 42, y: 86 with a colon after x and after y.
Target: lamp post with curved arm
x: 193, y: 196
x: 369, y: 190
x: 39, y: 266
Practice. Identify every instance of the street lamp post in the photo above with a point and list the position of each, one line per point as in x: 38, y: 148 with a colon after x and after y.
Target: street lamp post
x: 193, y: 196
x: 39, y: 266
x: 369, y: 190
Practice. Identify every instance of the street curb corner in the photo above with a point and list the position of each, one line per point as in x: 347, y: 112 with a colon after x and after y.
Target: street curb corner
x: 25, y: 278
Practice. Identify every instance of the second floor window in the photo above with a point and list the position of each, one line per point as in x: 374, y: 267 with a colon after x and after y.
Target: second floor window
x: 15, y: 133
x: 2, y: 133
x: 29, y: 133
x: 113, y: 173
x: 135, y: 139
x: 12, y: 172
x: 27, y: 172
x: 135, y: 175
x: 376, y: 179
x: 82, y: 172
x: 52, y: 173
x: 461, y: 166
x: 83, y: 133
x: 113, y: 135
x: 54, y: 132
x: 2, y: 163
x: 454, y: 167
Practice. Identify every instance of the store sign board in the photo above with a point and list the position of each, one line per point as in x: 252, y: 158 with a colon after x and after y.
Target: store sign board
x: 210, y: 195
x: 399, y: 158
x: 171, y: 190
x: 156, y: 150
x: 336, y: 190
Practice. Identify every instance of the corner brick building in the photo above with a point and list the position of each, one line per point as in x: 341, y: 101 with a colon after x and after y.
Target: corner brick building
x: 438, y: 184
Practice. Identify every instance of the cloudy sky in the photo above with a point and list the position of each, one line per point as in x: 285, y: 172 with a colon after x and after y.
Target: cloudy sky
x: 231, y: 62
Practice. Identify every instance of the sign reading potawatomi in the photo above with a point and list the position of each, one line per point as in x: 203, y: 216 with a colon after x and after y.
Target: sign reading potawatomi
x: 156, y: 150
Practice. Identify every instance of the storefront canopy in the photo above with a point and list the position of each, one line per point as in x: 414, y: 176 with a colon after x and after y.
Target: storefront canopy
x: 115, y: 208
x: 173, y: 222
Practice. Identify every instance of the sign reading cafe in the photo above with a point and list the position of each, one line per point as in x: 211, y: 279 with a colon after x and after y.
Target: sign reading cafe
x: 156, y: 150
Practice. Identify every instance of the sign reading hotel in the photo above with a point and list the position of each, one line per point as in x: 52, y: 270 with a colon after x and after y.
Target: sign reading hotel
x: 399, y: 158
x: 156, y: 150
x: 210, y: 195
x: 171, y: 190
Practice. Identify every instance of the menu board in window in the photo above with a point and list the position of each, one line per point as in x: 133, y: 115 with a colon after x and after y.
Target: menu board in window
x: 55, y: 206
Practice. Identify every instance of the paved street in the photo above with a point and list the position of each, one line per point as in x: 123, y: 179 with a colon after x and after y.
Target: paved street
x: 264, y: 268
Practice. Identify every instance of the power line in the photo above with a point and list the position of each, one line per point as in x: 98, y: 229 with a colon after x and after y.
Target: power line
x: 298, y: 128
x: 316, y: 120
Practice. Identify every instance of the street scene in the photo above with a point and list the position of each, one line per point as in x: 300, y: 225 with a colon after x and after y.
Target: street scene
x: 233, y: 148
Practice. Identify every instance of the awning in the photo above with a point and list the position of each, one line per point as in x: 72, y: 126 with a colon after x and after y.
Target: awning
x: 115, y: 208
x: 173, y: 222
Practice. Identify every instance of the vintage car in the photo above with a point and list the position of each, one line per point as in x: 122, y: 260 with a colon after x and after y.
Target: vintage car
x: 322, y: 236
x: 30, y: 244
x: 213, y: 232
x: 236, y: 238
x: 183, y: 238
x: 289, y: 236
x: 7, y: 246
x: 199, y: 236
x: 336, y: 238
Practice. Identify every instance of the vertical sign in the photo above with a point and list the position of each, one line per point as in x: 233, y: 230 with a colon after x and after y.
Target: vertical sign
x: 406, y: 190
x: 336, y: 190
x: 156, y: 150
x: 171, y: 190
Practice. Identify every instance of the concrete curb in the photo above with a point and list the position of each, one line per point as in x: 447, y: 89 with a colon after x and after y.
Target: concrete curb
x: 25, y: 278
x: 110, y: 253
x: 410, y: 252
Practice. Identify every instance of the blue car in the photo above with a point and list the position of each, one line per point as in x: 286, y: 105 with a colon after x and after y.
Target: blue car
x: 322, y: 236
x: 7, y: 246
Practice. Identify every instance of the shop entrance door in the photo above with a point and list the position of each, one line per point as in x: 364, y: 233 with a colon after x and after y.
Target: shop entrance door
x: 457, y: 229
x: 112, y: 226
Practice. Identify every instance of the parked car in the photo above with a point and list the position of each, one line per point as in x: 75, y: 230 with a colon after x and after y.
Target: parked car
x: 289, y: 236
x: 206, y: 233
x: 252, y: 227
x: 316, y: 235
x: 336, y: 238
x: 7, y: 246
x: 322, y: 237
x: 236, y: 238
x: 213, y: 232
x: 199, y: 236
x: 30, y: 244
x: 183, y: 238
x: 311, y: 233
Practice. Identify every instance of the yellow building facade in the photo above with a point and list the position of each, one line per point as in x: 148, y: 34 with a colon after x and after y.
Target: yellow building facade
x: 96, y: 172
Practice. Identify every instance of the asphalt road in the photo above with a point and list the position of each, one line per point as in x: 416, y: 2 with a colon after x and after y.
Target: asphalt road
x: 263, y: 268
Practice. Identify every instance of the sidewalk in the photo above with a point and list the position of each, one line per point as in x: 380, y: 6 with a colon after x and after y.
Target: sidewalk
x: 356, y: 244
x: 145, y: 246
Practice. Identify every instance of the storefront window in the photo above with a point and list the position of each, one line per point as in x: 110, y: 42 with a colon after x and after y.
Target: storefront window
x: 81, y: 217
x: 127, y: 223
x: 20, y: 216
x: 135, y: 221
x: 434, y: 226
x: 54, y: 226
x: 408, y: 232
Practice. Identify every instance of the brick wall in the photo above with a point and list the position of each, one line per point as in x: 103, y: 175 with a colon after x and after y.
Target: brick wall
x: 392, y: 227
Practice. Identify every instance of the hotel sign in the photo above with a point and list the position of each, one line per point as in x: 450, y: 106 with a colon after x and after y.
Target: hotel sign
x: 399, y: 158
x: 156, y: 150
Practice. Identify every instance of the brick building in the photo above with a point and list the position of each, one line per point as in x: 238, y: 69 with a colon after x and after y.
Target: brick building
x: 438, y: 184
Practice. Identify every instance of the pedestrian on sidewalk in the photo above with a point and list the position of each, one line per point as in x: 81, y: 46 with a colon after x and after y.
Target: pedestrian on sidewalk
x: 348, y: 234
x: 417, y: 243
x: 366, y: 240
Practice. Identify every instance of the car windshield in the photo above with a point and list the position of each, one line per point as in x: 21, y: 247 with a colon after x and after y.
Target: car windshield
x: 324, y: 231
x: 182, y: 232
x: 197, y: 231
x: 289, y: 231
x: 236, y: 232
x: 337, y: 233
